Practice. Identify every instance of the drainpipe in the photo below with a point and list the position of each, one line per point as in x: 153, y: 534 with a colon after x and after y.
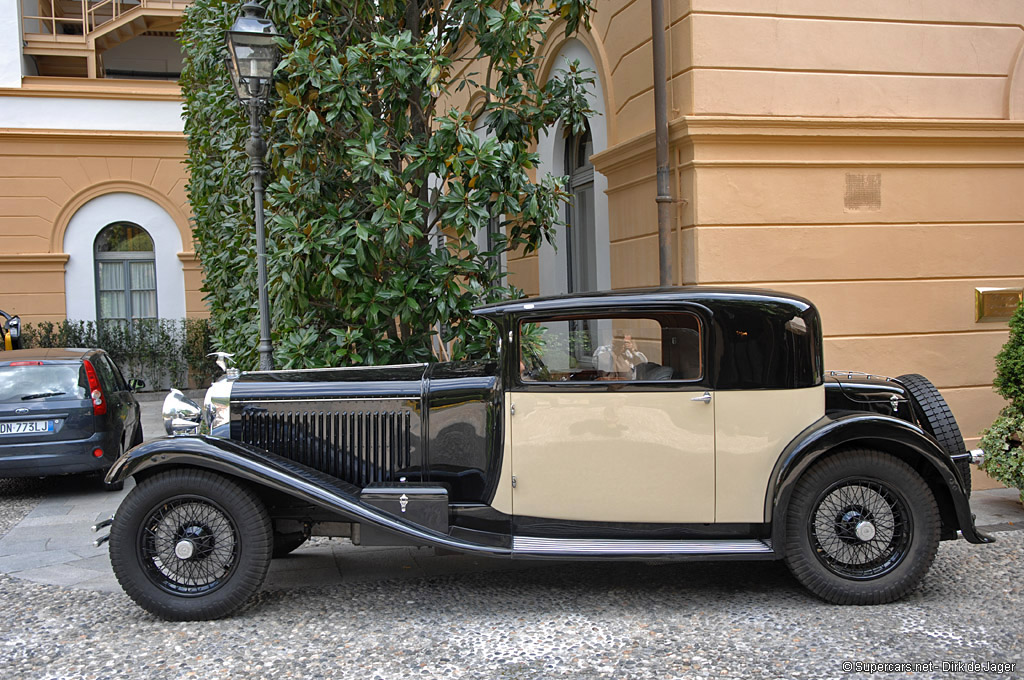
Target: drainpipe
x: 664, y: 197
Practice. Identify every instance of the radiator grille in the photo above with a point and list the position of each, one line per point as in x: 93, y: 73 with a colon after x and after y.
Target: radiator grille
x: 360, y: 447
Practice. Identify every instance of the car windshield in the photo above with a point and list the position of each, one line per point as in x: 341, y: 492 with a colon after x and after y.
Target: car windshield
x: 41, y: 382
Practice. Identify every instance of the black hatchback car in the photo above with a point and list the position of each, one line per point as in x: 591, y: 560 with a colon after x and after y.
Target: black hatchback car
x: 64, y: 411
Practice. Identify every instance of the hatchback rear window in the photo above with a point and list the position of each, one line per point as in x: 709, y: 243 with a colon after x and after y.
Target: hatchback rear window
x: 42, y: 382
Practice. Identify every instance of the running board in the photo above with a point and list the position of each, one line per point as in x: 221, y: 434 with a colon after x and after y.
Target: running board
x: 533, y: 545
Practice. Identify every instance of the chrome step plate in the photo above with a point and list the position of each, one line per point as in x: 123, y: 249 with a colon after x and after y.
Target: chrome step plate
x: 600, y: 546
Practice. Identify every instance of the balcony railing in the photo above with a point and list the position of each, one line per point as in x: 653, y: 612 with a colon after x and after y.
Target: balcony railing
x: 75, y: 20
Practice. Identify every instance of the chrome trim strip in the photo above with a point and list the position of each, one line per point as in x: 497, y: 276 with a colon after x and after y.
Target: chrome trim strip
x: 600, y: 546
x: 257, y: 400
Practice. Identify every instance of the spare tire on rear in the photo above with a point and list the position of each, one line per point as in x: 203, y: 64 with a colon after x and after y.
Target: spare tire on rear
x: 936, y: 419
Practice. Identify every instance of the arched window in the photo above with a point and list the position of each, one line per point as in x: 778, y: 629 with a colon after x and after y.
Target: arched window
x: 581, y: 241
x: 125, y: 273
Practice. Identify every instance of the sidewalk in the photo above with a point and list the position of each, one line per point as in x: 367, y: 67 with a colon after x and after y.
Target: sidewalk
x: 53, y: 543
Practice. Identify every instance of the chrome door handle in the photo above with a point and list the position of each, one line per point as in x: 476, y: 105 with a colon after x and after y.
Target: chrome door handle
x: 706, y: 398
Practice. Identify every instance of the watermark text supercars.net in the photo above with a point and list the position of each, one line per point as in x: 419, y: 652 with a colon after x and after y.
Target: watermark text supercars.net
x: 930, y: 667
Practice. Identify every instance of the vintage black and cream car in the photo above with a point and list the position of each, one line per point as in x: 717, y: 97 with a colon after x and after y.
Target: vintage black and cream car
x: 686, y: 423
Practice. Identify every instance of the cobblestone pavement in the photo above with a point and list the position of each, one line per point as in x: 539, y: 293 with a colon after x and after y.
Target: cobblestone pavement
x: 585, y: 620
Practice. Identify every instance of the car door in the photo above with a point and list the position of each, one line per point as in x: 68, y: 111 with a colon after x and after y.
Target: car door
x: 612, y: 421
x: 122, y: 412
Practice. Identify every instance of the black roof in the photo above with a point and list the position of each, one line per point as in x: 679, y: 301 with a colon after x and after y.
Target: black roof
x: 49, y: 354
x: 706, y: 295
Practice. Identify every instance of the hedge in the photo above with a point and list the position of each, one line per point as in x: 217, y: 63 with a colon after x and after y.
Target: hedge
x: 163, y: 352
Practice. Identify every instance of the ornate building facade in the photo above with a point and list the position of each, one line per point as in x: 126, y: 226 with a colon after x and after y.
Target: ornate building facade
x: 868, y: 156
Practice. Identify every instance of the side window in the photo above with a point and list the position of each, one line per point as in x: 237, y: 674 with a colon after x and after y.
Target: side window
x: 115, y: 372
x: 596, y: 349
x: 106, y: 375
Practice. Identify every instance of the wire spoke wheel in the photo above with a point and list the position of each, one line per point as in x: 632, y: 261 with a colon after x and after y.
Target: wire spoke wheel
x: 860, y: 529
x: 189, y: 546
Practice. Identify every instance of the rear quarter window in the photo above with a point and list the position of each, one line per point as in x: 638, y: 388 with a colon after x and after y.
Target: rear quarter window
x: 42, y: 382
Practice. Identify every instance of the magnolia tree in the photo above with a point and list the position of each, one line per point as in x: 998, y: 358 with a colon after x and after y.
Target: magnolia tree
x: 369, y: 164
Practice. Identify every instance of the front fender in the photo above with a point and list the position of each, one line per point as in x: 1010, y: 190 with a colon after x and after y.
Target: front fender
x: 869, y: 430
x: 261, y: 468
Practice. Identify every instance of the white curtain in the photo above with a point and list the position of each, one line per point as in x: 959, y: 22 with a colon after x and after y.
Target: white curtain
x: 143, y: 289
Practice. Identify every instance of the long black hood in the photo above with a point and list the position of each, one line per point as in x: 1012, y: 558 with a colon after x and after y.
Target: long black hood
x: 437, y: 423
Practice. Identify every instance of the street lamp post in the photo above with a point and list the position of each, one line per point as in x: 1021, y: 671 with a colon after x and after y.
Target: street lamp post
x: 253, y: 58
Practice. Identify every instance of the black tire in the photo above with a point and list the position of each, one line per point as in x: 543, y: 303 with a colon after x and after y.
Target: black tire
x: 862, y: 528
x: 284, y: 544
x: 938, y: 421
x: 222, y: 526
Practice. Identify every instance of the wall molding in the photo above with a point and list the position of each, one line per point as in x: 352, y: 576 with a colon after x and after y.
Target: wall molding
x: 51, y: 262
x: 190, y: 261
x: 99, y: 88
x: 690, y: 130
x: 72, y: 206
x: 41, y: 134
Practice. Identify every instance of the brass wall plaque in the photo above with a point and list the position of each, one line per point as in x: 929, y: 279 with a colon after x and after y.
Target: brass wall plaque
x: 996, y: 304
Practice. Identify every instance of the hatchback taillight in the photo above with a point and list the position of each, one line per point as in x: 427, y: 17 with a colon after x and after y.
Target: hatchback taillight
x: 99, y: 403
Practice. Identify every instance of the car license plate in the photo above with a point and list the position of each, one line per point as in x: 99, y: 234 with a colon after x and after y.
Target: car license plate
x: 27, y: 427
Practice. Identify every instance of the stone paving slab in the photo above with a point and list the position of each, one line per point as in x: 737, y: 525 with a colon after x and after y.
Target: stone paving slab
x: 998, y: 510
x: 16, y: 546
x: 64, y: 574
x: 24, y: 563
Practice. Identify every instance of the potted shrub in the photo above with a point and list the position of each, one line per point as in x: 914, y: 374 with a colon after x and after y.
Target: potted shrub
x: 1004, y: 455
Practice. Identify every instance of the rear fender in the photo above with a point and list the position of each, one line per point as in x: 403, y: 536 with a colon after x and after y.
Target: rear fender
x: 264, y: 469
x: 869, y: 430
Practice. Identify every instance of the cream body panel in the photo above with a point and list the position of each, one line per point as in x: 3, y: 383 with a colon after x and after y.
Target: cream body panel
x: 613, y: 456
x: 754, y: 426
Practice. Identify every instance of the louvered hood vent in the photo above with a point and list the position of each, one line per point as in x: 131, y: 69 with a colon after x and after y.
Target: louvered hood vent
x: 360, y: 441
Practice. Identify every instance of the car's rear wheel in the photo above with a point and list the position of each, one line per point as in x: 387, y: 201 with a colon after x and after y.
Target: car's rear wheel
x: 937, y: 420
x: 862, y: 528
x: 191, y: 545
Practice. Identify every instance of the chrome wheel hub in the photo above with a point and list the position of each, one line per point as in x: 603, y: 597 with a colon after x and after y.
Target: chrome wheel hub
x: 184, y: 550
x: 865, y: 531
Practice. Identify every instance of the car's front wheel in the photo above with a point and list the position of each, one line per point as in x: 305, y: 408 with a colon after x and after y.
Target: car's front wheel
x: 191, y: 545
x: 862, y: 528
